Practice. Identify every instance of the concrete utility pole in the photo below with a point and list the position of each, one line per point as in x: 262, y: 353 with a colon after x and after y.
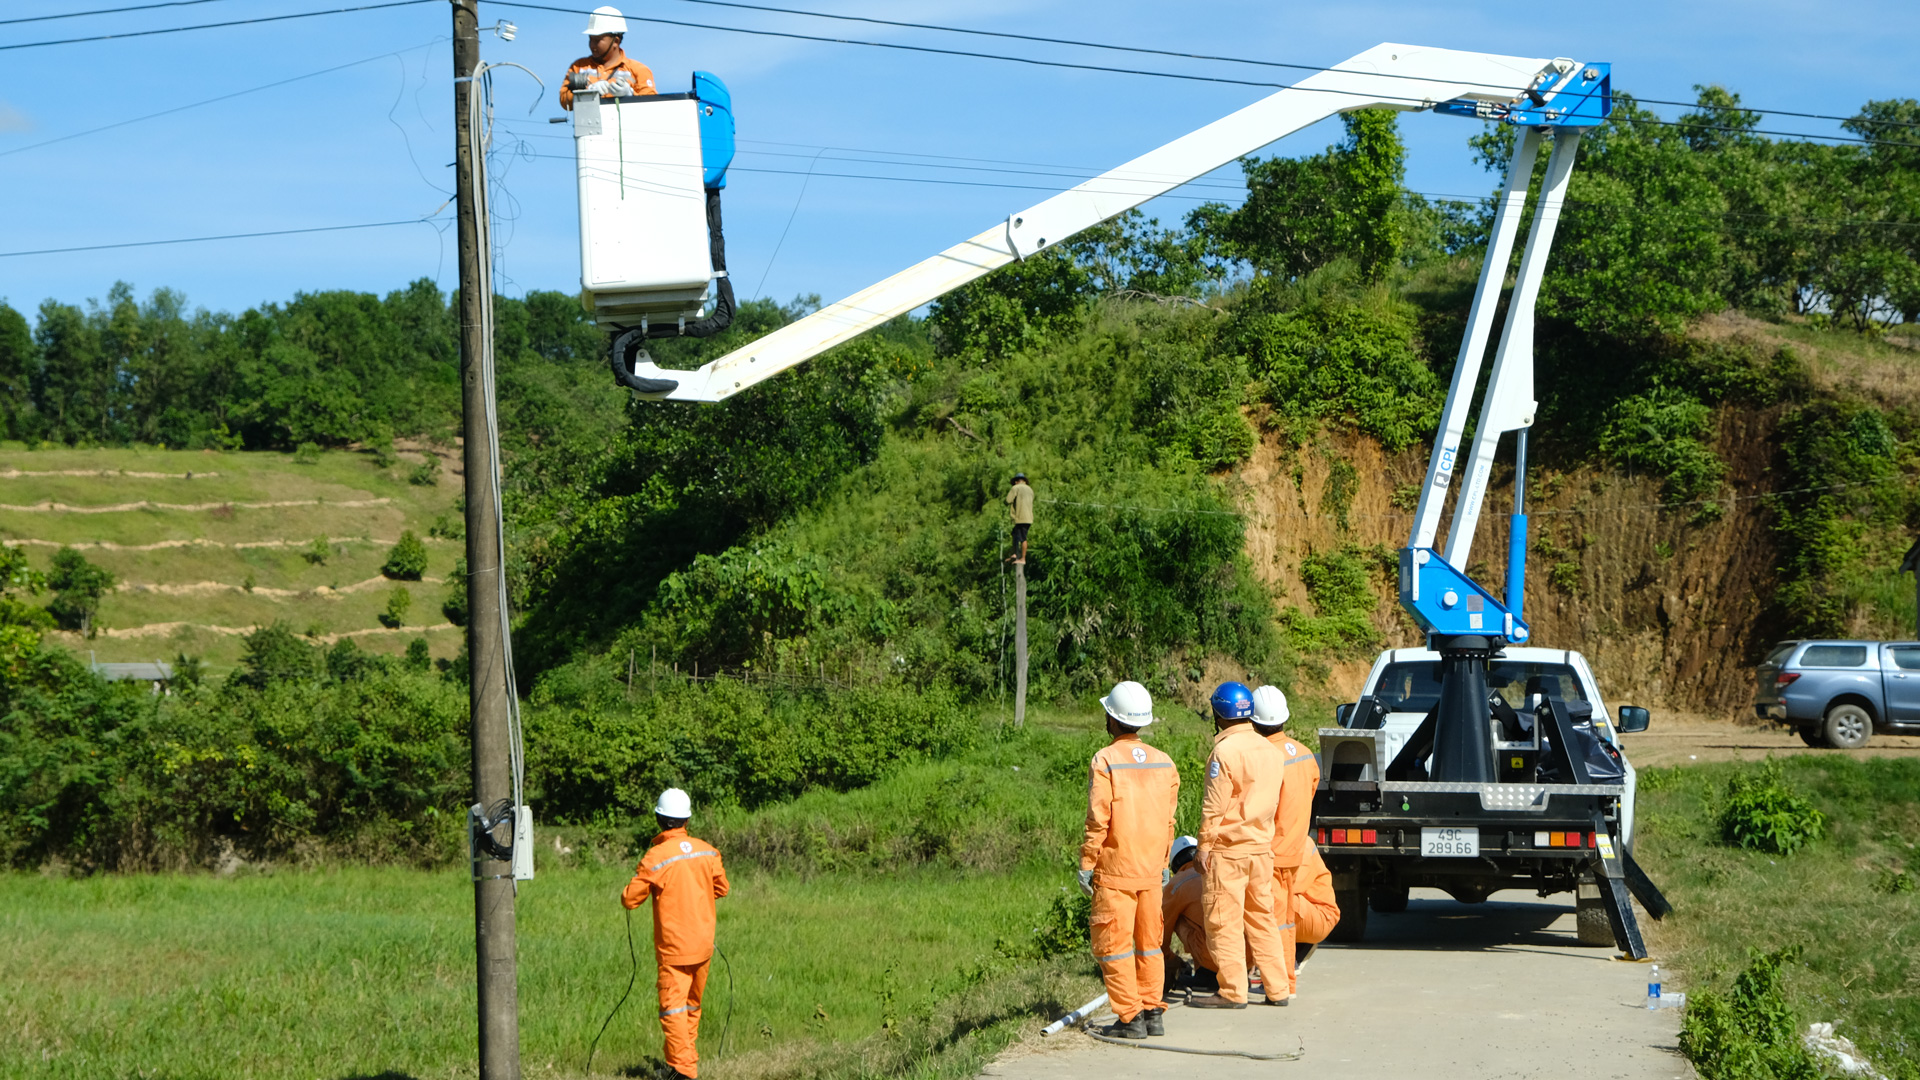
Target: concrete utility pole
x: 1019, y: 644
x: 492, y: 769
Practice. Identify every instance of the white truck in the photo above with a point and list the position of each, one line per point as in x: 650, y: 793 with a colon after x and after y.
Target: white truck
x: 1384, y: 828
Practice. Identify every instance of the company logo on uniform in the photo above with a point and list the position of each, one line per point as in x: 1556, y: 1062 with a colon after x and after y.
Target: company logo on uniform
x: 1139, y: 753
x: 1213, y: 770
x: 1292, y: 750
x: 685, y: 846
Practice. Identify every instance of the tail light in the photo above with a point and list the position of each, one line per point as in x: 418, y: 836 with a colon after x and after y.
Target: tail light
x: 1784, y: 679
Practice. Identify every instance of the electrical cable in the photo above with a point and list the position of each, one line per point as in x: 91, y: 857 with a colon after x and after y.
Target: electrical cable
x: 1136, y: 1044
x: 215, y: 26
x: 223, y: 236
x: 633, y: 975
x: 104, y: 11
x: 728, y: 1025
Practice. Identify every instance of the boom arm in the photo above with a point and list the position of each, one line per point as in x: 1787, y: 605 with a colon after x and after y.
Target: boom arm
x: 1518, y: 90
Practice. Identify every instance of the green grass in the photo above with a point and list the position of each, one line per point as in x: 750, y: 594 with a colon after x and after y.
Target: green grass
x: 1859, y: 935
x: 358, y: 972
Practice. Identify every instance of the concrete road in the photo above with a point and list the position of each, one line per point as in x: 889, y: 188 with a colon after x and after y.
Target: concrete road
x: 1445, y: 991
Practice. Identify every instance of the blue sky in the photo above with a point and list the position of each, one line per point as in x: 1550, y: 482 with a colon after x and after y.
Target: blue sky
x: 371, y: 142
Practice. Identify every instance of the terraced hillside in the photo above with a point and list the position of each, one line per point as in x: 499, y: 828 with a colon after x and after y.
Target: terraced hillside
x: 207, y: 546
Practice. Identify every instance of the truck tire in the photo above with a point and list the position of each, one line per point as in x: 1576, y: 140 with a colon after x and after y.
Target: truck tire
x: 1352, y: 927
x: 1847, y: 727
x: 1388, y: 899
x: 1591, y: 924
x: 1812, y: 736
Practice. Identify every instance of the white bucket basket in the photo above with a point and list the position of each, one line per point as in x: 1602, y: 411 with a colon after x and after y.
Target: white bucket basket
x: 644, y: 247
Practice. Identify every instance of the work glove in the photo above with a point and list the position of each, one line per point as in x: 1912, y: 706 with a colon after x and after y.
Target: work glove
x: 1086, y: 882
x: 604, y: 86
x: 1166, y: 877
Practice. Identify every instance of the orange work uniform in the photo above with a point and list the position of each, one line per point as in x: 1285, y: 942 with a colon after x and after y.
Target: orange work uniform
x: 683, y: 876
x: 1133, y: 792
x: 1244, y: 780
x: 1315, y: 911
x: 1292, y: 836
x: 639, y: 77
x: 1183, y: 915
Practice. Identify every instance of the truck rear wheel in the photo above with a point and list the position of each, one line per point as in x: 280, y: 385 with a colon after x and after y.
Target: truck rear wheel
x: 1847, y: 727
x: 1388, y: 899
x: 1352, y: 927
x: 1591, y: 924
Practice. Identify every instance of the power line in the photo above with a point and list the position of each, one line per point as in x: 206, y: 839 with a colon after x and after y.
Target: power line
x: 225, y: 236
x: 212, y: 100
x: 104, y: 11
x: 214, y: 26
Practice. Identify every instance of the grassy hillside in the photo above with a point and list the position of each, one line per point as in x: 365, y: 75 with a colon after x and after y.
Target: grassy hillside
x: 207, y: 545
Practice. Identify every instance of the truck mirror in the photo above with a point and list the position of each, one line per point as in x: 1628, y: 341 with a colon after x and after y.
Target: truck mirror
x: 1342, y: 714
x: 1633, y: 718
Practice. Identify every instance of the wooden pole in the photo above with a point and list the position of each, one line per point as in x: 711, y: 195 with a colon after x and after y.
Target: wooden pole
x: 1019, y: 644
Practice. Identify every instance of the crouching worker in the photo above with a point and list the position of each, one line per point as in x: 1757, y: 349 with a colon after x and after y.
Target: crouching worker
x: 683, y: 877
x: 1315, y: 912
x: 1183, y: 917
x: 1132, y: 794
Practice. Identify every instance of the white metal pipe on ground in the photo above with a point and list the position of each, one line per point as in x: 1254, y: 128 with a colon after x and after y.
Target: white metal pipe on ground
x: 1075, y: 1016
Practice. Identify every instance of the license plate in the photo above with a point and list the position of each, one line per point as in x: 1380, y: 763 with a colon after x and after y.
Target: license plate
x: 1450, y: 843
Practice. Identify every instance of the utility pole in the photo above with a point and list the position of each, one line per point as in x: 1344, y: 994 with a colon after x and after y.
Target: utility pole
x: 1019, y: 644
x: 493, y: 887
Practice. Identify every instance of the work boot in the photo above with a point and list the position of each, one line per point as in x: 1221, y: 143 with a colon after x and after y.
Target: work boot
x: 1276, y: 1001
x: 1301, y: 951
x: 1156, y: 1021
x: 1135, y: 1028
x: 1213, y: 1001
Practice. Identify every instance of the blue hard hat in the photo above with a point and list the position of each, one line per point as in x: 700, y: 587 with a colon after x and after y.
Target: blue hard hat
x: 1233, y: 701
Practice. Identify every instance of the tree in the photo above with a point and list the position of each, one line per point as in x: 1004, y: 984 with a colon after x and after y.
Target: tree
x: 274, y: 654
x: 19, y: 579
x: 399, y: 602
x: 19, y: 363
x: 77, y: 588
x: 407, y: 559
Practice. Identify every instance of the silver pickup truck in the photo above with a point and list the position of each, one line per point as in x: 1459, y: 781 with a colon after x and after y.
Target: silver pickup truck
x: 1838, y: 693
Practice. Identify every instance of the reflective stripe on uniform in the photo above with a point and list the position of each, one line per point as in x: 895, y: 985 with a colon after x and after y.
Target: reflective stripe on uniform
x: 1298, y: 761
x: 689, y: 855
x: 1286, y: 926
x: 1149, y: 952
x: 1147, y: 765
x: 675, y: 1012
x: 1114, y: 957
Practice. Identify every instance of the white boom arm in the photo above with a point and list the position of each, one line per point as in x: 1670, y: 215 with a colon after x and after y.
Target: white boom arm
x: 1404, y: 77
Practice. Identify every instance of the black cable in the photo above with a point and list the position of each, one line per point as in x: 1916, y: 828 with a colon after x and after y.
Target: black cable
x: 215, y: 26
x: 633, y: 974
x: 226, y: 236
x: 728, y: 1026
x: 104, y: 11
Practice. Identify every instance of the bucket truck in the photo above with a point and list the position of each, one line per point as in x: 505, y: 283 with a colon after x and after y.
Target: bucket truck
x: 1498, y: 786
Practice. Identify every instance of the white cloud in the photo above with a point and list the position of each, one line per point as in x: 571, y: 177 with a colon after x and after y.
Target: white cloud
x: 13, y: 121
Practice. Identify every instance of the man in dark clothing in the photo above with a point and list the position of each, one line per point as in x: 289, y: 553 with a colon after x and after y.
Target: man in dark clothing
x: 1020, y: 498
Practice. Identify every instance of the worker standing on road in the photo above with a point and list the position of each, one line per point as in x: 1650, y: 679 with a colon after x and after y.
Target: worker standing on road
x: 683, y: 876
x: 1133, y: 791
x: 1315, y: 911
x: 1244, y: 779
x: 608, y: 69
x: 1183, y: 915
x: 1020, y: 498
x: 1292, y: 826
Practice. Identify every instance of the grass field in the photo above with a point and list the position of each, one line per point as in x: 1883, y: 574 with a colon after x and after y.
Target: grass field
x: 221, y: 550
x: 369, y: 972
x: 1848, y: 901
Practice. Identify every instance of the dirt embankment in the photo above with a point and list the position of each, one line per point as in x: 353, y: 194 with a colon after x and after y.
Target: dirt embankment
x: 1668, y: 603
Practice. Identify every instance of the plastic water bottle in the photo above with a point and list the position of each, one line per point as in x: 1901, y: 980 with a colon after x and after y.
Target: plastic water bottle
x: 1653, y: 988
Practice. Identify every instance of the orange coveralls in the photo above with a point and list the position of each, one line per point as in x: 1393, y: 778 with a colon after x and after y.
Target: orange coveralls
x: 1292, y: 836
x: 1182, y: 913
x: 1315, y: 912
x: 1244, y: 779
x: 1133, y: 791
x: 684, y: 877
x: 639, y: 75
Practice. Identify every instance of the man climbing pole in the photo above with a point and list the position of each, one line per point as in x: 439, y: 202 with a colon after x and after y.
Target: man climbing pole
x: 1133, y: 792
x: 1292, y: 825
x: 1020, y: 498
x: 1244, y: 778
x: 683, y: 876
x: 608, y: 70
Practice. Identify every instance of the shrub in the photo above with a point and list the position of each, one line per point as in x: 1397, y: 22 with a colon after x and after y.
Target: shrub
x: 316, y: 551
x: 399, y: 602
x: 426, y: 474
x: 1748, y: 1034
x: 419, y: 657
x: 1761, y: 813
x: 454, y: 607
x: 273, y: 655
x: 77, y: 588
x: 407, y: 560
x: 307, y: 454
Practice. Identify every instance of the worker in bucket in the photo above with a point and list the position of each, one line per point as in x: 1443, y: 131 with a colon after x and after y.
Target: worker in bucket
x: 683, y: 877
x: 1315, y: 911
x: 1244, y: 780
x: 607, y: 69
x: 1020, y: 500
x: 1183, y: 916
x: 1133, y: 791
x: 1292, y: 826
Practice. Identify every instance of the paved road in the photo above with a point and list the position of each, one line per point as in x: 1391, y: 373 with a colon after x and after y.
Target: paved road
x: 1445, y: 991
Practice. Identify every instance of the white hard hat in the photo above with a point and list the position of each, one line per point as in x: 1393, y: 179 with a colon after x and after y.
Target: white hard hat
x: 1130, y: 704
x: 1181, y: 844
x: 674, y: 804
x: 606, y: 19
x: 1270, y: 707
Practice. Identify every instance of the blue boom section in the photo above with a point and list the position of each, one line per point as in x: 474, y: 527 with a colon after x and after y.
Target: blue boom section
x: 1447, y: 602
x: 716, y: 127
x: 1582, y: 97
